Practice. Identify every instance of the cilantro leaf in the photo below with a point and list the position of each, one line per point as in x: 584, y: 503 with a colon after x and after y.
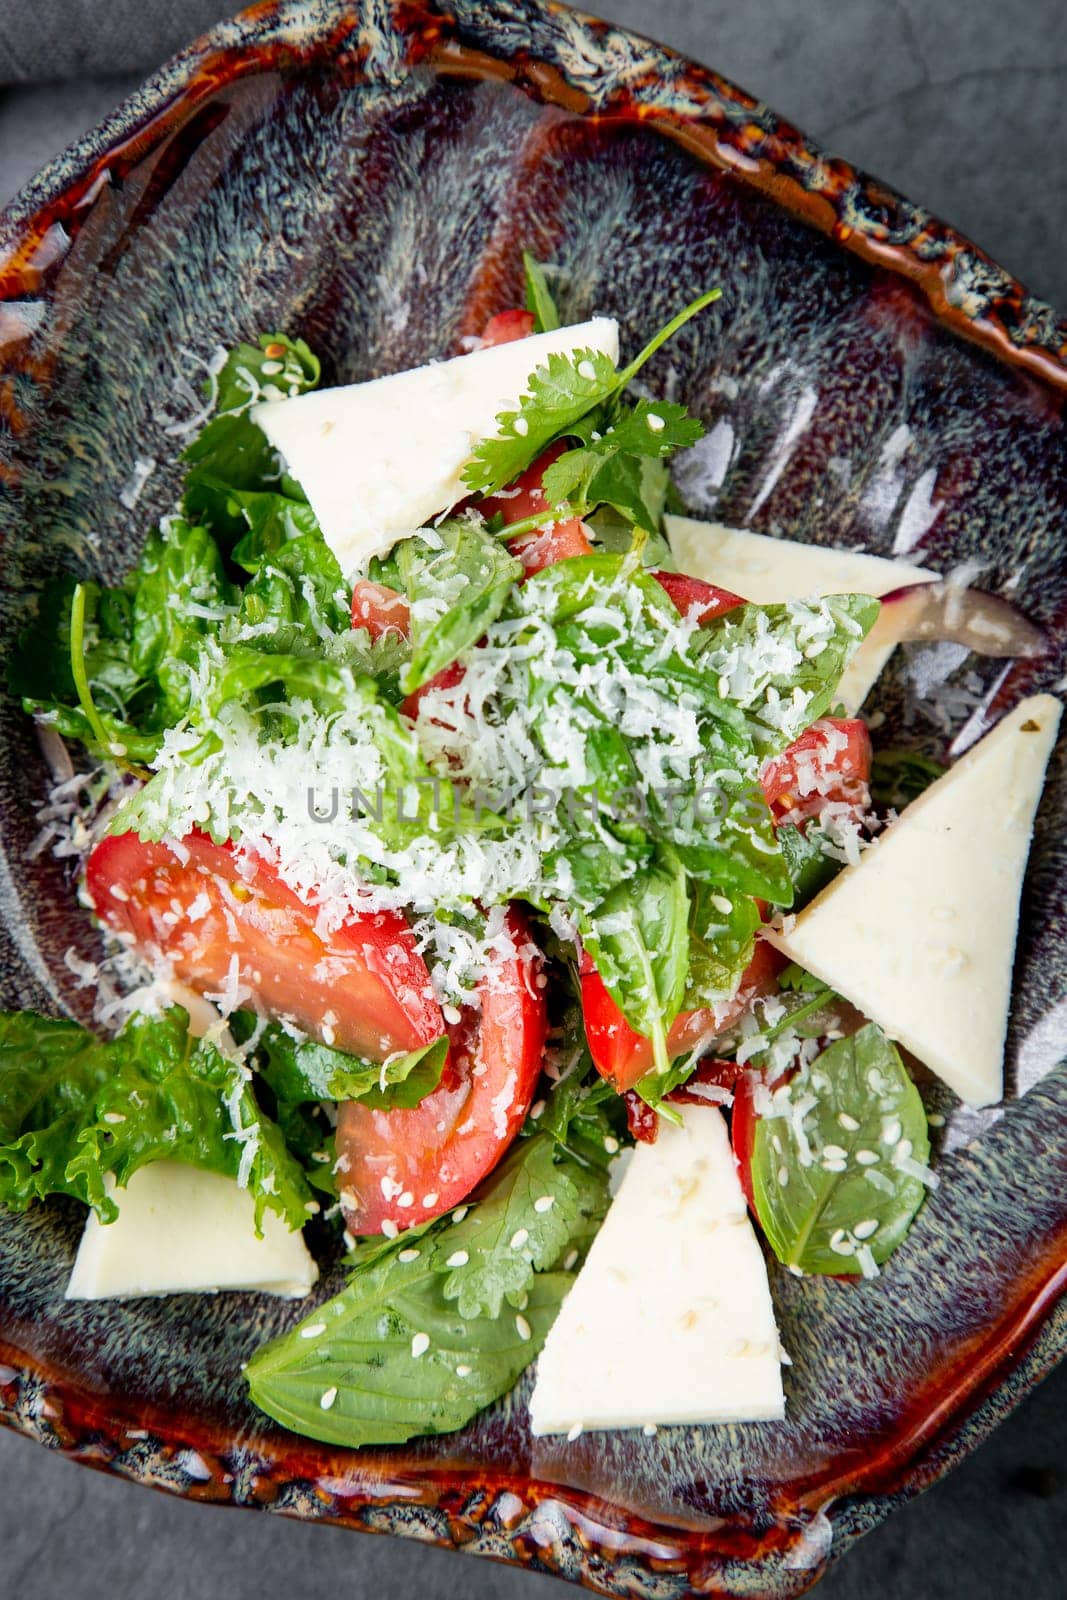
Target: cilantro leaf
x: 848, y: 1133
x: 539, y: 299
x: 557, y: 395
x: 522, y: 1225
x: 75, y: 1109
x: 613, y: 468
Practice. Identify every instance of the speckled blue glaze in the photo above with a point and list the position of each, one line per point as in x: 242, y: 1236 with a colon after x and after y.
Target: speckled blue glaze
x: 366, y: 176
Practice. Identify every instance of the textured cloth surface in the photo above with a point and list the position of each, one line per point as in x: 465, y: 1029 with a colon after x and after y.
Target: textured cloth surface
x: 45, y: 40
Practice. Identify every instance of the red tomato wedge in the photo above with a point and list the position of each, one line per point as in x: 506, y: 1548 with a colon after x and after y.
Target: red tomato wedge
x: 831, y: 760
x: 623, y: 1056
x: 397, y: 1168
x: 506, y: 327
x: 743, y: 1119
x: 526, y: 498
x: 379, y: 609
x: 693, y: 595
x: 363, y: 988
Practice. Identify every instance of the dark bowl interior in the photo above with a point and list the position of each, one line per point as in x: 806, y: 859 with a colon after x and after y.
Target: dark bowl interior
x: 373, y: 192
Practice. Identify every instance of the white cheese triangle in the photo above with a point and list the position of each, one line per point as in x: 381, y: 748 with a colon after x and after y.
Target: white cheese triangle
x: 181, y: 1230
x: 670, y: 1319
x: 768, y: 571
x: 378, y: 460
x: 920, y: 933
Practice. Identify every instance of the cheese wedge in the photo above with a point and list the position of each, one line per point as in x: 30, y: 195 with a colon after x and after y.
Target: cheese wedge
x: 378, y: 460
x: 181, y: 1230
x: 767, y: 571
x: 920, y: 933
x: 670, y: 1319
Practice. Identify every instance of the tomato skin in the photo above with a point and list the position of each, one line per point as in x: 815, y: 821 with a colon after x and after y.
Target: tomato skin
x: 715, y: 1074
x: 545, y: 546
x: 694, y: 595
x: 830, y: 761
x: 506, y: 327
x: 743, y: 1119
x: 447, y: 678
x: 434, y: 1154
x: 379, y: 609
x: 641, y: 1119
x: 376, y: 985
x: 623, y: 1056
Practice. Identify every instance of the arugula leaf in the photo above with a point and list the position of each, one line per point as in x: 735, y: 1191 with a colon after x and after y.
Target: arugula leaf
x: 539, y: 296
x: 231, y: 452
x: 75, y: 1109
x: 455, y: 592
x: 782, y: 663
x: 298, y: 1071
x: 900, y: 776
x: 809, y: 866
x: 835, y: 1160
x: 396, y: 1358
x: 177, y: 579
x: 273, y: 520
x: 639, y: 938
x: 522, y: 1225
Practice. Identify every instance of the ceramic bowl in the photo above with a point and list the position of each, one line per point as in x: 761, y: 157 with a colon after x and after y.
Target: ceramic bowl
x: 365, y: 175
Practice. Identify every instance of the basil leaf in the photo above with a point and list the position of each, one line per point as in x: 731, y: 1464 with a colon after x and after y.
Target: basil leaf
x: 834, y: 1162
x: 396, y: 1359
x: 523, y: 1225
x: 273, y: 520
x: 75, y: 1108
x: 539, y: 299
x: 782, y: 663
x: 455, y: 592
x: 722, y: 937
x: 639, y: 938
x: 298, y: 1071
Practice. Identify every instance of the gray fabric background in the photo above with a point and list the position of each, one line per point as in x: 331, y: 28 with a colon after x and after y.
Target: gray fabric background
x: 962, y: 106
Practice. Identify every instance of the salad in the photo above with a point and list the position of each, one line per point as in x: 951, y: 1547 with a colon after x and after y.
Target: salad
x: 493, y: 915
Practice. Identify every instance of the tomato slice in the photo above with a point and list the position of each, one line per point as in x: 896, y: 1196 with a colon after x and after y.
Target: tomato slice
x: 743, y: 1119
x: 694, y: 595
x: 506, y: 327
x: 397, y: 1168
x: 215, y: 918
x: 623, y: 1056
x: 830, y: 761
x: 379, y: 609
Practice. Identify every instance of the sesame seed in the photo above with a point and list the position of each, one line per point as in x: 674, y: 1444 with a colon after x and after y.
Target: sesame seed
x: 848, y: 1122
x: 570, y: 1260
x: 834, y: 1152
x: 864, y: 1229
x: 458, y: 1258
x: 866, y: 1158
x: 521, y: 426
x: 783, y: 1177
x: 587, y: 371
x: 328, y: 1398
x: 389, y: 1228
x: 891, y: 1130
x: 429, y: 1200
x: 519, y: 1238
x: 313, y: 1330
x: 537, y: 1110
x: 459, y: 1213
x: 574, y: 1432
x: 935, y: 1119
x: 655, y: 422
x: 543, y: 1203
x: 406, y: 1199
x: 522, y: 1328
x: 408, y: 1255
x: 835, y: 1166
x: 841, y: 1244
x: 463, y: 1371
x: 611, y: 1144
x: 720, y: 902
x: 650, y: 1430
x: 114, y: 1117
x: 420, y: 1343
